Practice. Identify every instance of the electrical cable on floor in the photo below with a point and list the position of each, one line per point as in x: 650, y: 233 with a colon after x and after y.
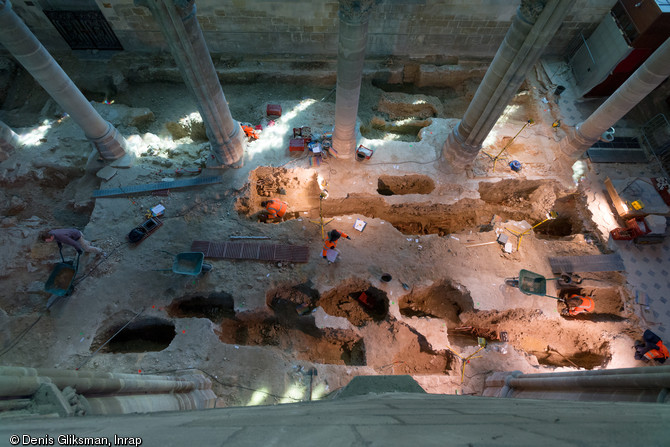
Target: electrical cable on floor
x: 291, y: 161
x: 20, y: 336
x: 80, y: 279
x: 224, y: 384
x: 109, y: 339
x: 25, y: 331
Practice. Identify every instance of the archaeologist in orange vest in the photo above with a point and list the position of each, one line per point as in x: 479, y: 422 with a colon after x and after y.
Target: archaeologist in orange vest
x: 275, y: 209
x: 651, y: 348
x: 578, y: 304
x: 331, y: 242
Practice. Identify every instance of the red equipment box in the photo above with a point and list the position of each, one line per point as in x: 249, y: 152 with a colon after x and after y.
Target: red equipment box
x: 296, y: 145
x: 363, y: 153
x: 638, y: 226
x: 273, y: 110
x: 634, y: 228
x: 622, y: 234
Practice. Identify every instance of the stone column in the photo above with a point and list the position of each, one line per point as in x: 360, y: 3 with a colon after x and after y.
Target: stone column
x: 645, y: 79
x: 353, y: 36
x: 24, y: 46
x: 182, y: 31
x: 533, y: 27
x: 9, y: 141
x: 640, y: 384
x: 109, y: 393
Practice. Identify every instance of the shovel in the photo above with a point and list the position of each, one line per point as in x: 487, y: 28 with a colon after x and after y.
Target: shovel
x: 404, y: 286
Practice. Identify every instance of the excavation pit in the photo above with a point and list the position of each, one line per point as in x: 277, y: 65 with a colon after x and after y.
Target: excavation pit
x: 407, y: 130
x: 510, y: 192
x: 549, y: 340
x: 510, y: 200
x: 465, y: 336
x: 295, y: 335
x: 299, y: 298
x: 608, y: 301
x: 443, y: 300
x: 406, y: 351
x: 576, y: 359
x: 215, y: 307
x: 357, y: 301
x: 144, y: 335
x: 559, y: 227
x: 420, y: 363
x: 567, y: 223
x: 297, y: 187
x: 389, y: 185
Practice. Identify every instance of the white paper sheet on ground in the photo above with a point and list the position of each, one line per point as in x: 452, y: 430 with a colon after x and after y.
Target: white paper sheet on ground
x: 331, y: 255
x: 359, y: 225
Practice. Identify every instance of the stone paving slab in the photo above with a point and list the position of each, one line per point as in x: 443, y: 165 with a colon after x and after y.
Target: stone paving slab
x: 648, y: 273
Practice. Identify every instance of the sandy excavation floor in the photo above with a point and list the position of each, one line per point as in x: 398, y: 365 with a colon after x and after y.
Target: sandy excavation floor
x: 271, y: 332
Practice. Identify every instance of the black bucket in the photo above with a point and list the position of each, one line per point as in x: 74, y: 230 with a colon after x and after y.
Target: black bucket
x: 386, y: 277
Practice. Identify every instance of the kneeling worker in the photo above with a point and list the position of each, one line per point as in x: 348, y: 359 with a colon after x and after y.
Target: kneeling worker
x: 652, y: 348
x: 331, y: 242
x: 275, y: 209
x: 578, y: 304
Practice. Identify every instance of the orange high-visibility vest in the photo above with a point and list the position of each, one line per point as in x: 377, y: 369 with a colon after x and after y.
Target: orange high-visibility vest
x: 661, y: 352
x: 587, y: 305
x: 328, y: 245
x: 276, y: 208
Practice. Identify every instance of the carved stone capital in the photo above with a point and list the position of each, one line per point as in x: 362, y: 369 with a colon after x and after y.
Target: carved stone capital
x: 356, y: 11
x: 530, y: 10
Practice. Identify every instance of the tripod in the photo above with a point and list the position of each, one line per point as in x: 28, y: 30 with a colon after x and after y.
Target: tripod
x: 321, y: 222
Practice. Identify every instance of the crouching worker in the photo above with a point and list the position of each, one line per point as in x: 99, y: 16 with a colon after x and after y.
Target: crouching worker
x: 274, y: 209
x: 331, y: 244
x: 578, y: 304
x: 651, y: 348
x: 71, y: 237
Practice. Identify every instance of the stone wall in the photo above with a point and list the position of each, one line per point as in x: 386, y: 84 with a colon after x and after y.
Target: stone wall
x: 435, y: 29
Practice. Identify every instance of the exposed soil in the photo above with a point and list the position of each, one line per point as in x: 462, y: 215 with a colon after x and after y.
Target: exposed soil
x: 215, y: 307
x: 347, y: 300
x: 609, y: 303
x: 552, y: 342
x: 511, y: 200
x: 443, y: 300
x: 293, y: 334
x: 257, y: 324
x: 407, y: 184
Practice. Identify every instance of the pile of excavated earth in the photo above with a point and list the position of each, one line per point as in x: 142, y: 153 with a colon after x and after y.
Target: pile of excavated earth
x: 413, y: 293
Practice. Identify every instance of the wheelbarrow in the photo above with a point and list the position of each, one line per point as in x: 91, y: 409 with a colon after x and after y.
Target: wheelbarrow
x: 61, y: 280
x: 188, y: 263
x: 531, y: 283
